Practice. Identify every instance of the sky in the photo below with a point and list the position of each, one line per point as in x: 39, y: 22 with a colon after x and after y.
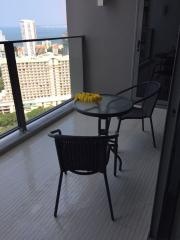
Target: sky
x: 44, y: 12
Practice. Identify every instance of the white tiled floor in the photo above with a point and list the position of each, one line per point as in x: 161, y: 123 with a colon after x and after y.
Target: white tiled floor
x: 28, y: 182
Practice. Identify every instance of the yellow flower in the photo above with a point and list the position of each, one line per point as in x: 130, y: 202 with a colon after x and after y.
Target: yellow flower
x: 87, y: 97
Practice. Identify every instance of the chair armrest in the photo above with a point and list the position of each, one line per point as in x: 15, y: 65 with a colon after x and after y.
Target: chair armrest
x: 134, y: 86
x: 139, y: 101
x: 130, y: 88
x: 54, y: 133
x: 125, y: 90
x: 145, y: 98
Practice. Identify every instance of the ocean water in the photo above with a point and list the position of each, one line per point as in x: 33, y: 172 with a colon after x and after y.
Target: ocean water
x: 14, y: 33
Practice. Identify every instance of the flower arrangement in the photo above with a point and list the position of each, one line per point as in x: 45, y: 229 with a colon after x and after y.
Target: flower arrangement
x: 88, y: 97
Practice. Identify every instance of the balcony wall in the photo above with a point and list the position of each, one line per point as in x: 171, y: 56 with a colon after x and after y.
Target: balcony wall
x: 110, y: 34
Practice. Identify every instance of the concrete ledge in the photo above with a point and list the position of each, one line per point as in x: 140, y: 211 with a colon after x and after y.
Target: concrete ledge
x: 33, y: 128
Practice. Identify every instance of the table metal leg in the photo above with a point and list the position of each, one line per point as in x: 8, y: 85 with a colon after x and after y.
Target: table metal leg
x: 105, y: 130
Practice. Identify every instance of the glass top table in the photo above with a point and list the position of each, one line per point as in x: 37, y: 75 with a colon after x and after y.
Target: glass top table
x: 109, y: 106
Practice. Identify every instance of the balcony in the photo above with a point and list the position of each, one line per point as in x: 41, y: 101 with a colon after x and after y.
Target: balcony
x: 29, y: 176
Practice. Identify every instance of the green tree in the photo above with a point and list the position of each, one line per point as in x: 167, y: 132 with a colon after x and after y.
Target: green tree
x: 8, y: 119
x: 49, y: 49
x: 34, y: 113
x: 1, y: 84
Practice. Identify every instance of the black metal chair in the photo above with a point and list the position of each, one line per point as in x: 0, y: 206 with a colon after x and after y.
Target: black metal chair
x: 82, y: 155
x: 148, y: 92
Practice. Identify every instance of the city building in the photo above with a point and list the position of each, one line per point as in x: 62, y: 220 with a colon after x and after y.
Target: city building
x: 2, y: 53
x: 40, y: 49
x: 44, y: 81
x: 55, y: 49
x: 2, y: 38
x: 19, y: 51
x: 47, y: 43
x: 28, y: 31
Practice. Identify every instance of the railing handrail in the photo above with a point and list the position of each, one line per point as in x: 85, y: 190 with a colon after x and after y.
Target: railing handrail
x: 41, y: 39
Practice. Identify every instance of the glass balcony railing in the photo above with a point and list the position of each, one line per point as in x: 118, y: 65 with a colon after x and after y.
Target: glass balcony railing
x: 36, y: 77
x: 8, y: 119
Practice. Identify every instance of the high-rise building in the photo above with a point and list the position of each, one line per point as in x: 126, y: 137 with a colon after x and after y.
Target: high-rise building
x: 28, y: 31
x: 47, y: 43
x: 44, y: 80
x: 2, y: 38
x: 65, y: 42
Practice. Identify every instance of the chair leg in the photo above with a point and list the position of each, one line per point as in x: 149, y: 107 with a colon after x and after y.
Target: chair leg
x: 143, y: 124
x: 115, y: 149
x: 116, y: 156
x: 58, y: 194
x: 152, y: 130
x: 119, y: 124
x: 115, y: 165
x: 109, y: 196
x: 120, y: 163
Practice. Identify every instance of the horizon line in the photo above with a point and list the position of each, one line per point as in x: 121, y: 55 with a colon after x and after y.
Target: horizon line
x: 38, y: 25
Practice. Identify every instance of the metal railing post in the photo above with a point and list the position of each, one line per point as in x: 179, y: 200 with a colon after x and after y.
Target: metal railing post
x: 14, y: 80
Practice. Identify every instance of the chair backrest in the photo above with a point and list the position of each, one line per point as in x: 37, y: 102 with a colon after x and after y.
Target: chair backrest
x: 82, y: 154
x: 148, y: 93
x: 151, y: 92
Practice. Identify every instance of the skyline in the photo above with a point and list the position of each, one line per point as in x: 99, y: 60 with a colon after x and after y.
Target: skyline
x: 49, y: 13
x: 14, y: 33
